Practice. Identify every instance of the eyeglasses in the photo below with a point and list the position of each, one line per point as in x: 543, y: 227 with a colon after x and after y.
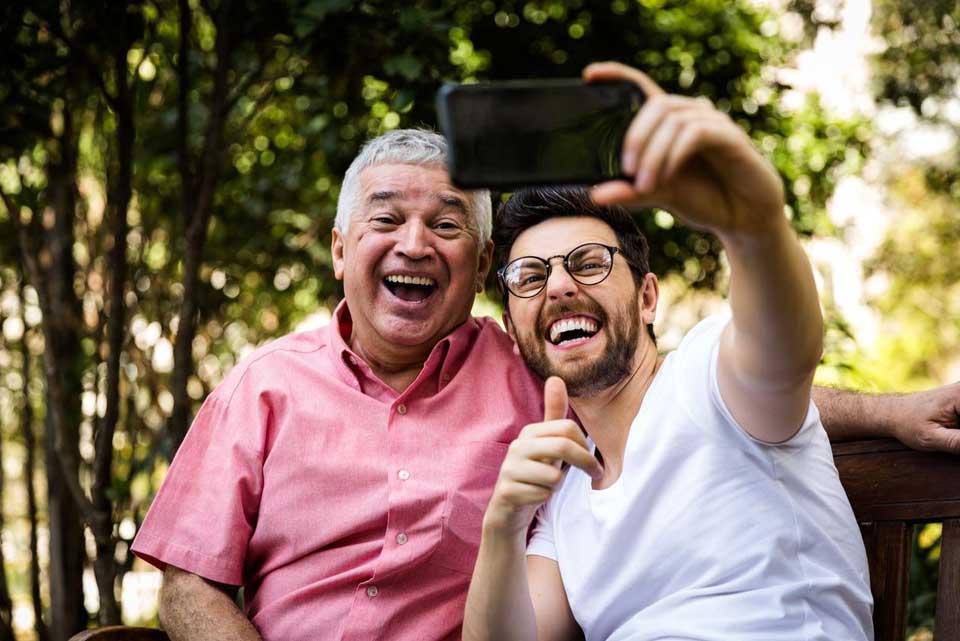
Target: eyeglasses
x: 588, y: 264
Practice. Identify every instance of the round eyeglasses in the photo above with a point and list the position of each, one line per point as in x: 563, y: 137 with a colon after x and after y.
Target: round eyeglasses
x: 588, y: 264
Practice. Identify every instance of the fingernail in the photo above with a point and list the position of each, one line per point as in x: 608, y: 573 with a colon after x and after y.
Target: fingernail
x: 598, y: 472
x: 628, y: 163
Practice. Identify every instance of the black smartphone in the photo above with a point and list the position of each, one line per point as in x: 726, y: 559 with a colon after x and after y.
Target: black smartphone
x: 510, y: 134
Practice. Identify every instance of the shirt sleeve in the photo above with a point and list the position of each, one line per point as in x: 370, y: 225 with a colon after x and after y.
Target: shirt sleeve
x: 541, y: 539
x: 699, y: 391
x: 203, y: 516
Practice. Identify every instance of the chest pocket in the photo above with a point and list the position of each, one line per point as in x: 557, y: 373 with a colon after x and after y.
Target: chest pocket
x: 473, y: 471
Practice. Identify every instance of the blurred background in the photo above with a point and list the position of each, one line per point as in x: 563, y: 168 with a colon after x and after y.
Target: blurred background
x: 169, y: 171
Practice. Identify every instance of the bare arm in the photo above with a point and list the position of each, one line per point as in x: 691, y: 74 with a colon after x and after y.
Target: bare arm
x: 512, y: 596
x: 927, y: 420
x: 688, y: 157
x: 195, y: 609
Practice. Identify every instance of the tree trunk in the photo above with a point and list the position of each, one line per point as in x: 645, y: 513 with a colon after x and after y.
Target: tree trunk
x: 197, y: 202
x: 121, y: 189
x: 63, y: 365
x: 6, y: 606
x: 29, y: 472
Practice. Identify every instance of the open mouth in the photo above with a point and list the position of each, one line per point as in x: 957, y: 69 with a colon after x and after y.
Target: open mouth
x: 567, y: 331
x: 414, y: 289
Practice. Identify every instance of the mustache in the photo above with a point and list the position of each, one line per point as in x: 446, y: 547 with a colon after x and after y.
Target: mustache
x: 550, y: 312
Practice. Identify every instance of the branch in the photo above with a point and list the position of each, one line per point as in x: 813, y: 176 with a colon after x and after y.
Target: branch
x: 89, y: 63
x: 245, y: 84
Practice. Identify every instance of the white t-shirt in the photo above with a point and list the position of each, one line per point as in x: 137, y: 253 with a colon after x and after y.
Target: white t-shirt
x: 709, y: 534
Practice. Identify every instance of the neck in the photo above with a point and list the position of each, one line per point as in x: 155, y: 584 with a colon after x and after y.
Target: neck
x: 608, y: 414
x: 396, y: 365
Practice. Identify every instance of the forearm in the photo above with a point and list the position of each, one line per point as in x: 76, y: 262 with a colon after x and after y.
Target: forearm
x: 778, y: 328
x: 191, y: 609
x: 498, y: 603
x: 851, y: 416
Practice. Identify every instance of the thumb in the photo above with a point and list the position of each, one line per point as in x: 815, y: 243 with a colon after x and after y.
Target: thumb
x: 554, y: 399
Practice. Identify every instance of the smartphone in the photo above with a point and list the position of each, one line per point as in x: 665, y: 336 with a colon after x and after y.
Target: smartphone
x: 504, y: 135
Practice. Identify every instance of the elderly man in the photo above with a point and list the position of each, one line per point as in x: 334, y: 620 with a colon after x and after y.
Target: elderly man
x: 340, y: 475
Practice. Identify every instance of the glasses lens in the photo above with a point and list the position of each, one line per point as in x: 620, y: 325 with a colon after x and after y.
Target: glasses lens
x: 590, y: 264
x: 525, y: 276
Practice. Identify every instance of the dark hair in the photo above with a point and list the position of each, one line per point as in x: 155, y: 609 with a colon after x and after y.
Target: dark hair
x: 533, y: 205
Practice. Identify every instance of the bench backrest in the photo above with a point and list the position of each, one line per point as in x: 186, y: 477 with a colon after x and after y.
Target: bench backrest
x: 893, y: 488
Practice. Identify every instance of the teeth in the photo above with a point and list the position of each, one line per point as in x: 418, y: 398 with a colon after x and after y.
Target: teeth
x: 569, y: 324
x: 411, y: 280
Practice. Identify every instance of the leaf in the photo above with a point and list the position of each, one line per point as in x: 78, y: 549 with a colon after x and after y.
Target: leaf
x: 403, y: 65
x: 319, y: 9
x: 403, y: 101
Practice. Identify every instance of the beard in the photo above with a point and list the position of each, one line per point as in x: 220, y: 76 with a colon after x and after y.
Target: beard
x: 622, y: 329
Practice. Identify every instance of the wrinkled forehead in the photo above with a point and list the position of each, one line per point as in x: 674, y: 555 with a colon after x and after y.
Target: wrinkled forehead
x: 412, y: 185
x: 557, y: 236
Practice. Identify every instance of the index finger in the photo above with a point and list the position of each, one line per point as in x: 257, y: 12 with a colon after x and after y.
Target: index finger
x: 601, y: 71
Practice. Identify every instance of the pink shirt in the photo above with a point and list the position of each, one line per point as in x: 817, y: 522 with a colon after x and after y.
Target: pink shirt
x: 347, y: 511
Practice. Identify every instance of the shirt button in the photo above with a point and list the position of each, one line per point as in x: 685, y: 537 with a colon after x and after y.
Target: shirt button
x: 372, y: 591
x: 403, y: 475
x: 402, y: 538
x: 401, y: 409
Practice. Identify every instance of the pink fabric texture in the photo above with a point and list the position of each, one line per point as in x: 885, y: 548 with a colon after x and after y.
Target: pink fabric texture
x: 347, y: 511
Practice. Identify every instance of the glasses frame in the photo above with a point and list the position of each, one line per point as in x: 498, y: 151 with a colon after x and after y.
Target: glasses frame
x: 501, y: 279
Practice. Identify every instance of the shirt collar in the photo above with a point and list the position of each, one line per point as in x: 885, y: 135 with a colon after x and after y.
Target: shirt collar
x: 442, y: 364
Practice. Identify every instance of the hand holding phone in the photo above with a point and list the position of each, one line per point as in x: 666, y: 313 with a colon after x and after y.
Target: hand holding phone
x: 684, y: 155
x: 511, y: 134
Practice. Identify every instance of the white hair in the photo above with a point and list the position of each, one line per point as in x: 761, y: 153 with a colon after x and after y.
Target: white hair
x: 407, y: 147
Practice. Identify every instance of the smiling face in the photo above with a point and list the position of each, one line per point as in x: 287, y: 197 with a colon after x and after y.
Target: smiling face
x: 410, y: 260
x: 589, y: 335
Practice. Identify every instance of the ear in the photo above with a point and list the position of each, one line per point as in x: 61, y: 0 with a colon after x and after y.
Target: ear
x: 649, y: 297
x: 483, y: 265
x: 511, y: 331
x: 336, y: 251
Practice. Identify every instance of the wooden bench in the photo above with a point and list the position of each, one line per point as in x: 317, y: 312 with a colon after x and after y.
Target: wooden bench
x: 892, y: 489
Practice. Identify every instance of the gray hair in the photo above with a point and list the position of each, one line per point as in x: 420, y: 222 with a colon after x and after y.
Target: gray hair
x: 407, y: 147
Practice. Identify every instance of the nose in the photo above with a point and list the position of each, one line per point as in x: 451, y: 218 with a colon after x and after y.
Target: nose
x: 560, y: 284
x: 414, y: 241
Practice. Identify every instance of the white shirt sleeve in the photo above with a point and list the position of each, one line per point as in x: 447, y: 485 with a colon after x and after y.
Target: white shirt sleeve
x: 699, y: 390
x: 541, y: 540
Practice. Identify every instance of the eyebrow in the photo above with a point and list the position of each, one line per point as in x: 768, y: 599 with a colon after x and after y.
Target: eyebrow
x: 449, y: 200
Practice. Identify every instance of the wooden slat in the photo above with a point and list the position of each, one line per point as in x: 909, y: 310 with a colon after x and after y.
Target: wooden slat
x: 948, y: 588
x: 888, y: 552
x: 886, y: 481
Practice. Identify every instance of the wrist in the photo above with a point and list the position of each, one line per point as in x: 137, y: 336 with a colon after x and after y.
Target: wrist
x: 882, y: 412
x: 501, y: 527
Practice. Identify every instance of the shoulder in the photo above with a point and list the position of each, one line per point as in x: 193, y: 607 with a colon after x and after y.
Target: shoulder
x: 273, y: 360
x: 705, y: 335
x: 492, y: 334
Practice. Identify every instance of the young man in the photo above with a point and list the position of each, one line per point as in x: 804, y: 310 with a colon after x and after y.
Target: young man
x: 705, y: 504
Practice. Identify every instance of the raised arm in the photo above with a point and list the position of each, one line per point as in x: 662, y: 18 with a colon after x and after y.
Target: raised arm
x: 693, y: 160
x: 195, y: 609
x: 512, y: 596
x: 927, y: 420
